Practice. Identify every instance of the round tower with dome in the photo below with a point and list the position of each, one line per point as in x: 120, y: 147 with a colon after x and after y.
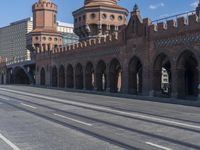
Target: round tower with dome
x: 99, y: 18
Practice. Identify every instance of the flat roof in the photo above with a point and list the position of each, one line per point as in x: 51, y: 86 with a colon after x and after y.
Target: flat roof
x: 65, y: 24
x: 60, y: 23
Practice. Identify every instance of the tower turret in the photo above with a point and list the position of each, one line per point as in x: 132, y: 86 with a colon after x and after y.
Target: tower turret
x: 99, y: 18
x: 44, y: 15
x: 44, y: 36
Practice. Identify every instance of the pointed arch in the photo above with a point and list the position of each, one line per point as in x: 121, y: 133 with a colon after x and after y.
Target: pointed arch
x: 89, y: 76
x: 54, y: 76
x: 135, y: 72
x: 79, y: 76
x: 115, y: 76
x: 42, y: 77
x: 62, y: 76
x: 101, y: 76
x: 187, y: 75
x: 162, y: 75
x: 70, y: 76
x: 20, y: 76
x: 2, y: 78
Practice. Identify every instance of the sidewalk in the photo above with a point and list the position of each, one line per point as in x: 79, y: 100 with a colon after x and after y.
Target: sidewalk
x: 195, y: 103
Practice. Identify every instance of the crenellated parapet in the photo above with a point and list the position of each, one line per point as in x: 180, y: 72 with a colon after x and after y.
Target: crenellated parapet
x: 181, y: 24
x: 183, y: 30
x: 89, y: 44
x: 45, y: 6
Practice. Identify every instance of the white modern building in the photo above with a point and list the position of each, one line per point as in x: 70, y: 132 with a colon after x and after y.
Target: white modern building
x: 13, y: 39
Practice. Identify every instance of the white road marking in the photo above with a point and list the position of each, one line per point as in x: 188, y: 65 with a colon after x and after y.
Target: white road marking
x: 137, y: 115
x: 157, y: 119
x: 81, y: 122
x: 28, y: 106
x: 158, y: 146
x: 4, y: 98
x: 13, y: 146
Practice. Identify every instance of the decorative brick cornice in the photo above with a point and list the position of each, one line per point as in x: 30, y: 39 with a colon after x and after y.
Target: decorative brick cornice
x: 179, y: 40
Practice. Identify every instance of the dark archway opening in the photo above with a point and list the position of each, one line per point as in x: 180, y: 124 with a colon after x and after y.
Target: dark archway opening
x: 62, y: 77
x: 79, y: 76
x: 135, y: 76
x: 89, y: 77
x: 54, y: 77
x: 20, y: 76
x: 187, y: 75
x: 70, y: 77
x: 162, y: 76
x: 115, y: 73
x: 101, y: 77
x: 2, y: 78
x: 42, y: 77
x: 10, y: 77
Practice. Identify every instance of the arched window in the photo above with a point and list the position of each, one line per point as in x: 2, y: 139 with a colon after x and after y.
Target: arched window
x: 55, y: 19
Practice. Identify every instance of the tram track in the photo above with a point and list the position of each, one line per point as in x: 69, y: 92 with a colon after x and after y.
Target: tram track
x: 103, y: 105
x: 109, y: 123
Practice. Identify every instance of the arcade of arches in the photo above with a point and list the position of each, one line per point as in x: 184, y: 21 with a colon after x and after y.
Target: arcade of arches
x: 109, y: 77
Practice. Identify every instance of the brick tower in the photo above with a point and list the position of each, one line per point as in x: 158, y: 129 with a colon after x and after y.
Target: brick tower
x: 198, y: 9
x: 44, y: 36
x: 99, y: 18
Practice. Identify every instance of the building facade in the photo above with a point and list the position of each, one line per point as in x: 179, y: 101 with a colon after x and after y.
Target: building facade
x: 13, y: 39
x: 119, y: 56
x: 67, y: 30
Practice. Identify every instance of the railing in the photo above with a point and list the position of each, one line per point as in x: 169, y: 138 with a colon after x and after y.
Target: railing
x: 18, y: 60
x: 186, y: 14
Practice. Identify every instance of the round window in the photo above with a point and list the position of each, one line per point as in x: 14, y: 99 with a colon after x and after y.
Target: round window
x: 93, y: 16
x: 112, y: 17
x: 120, y: 18
x: 104, y: 16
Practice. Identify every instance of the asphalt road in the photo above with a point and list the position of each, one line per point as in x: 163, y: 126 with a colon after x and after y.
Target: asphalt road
x: 45, y: 119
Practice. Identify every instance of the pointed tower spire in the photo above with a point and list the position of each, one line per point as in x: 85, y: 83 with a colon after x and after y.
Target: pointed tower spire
x: 136, y: 12
x: 198, y: 9
x: 136, y: 9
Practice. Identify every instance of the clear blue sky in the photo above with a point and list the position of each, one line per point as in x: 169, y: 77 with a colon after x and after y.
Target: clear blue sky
x: 13, y: 10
